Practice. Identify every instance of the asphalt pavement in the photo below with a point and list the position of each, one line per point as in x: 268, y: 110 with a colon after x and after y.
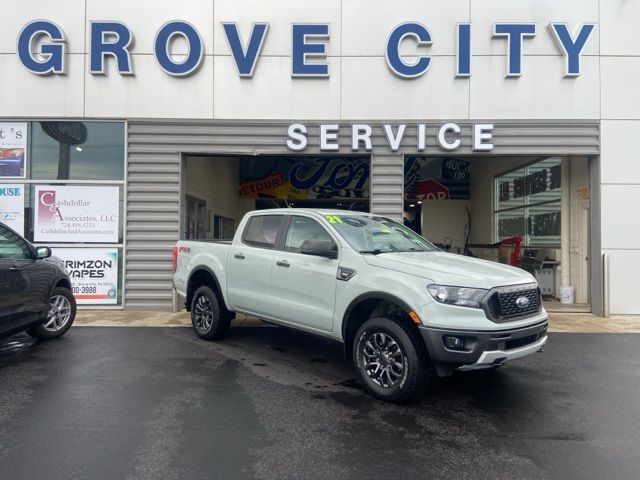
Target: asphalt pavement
x: 271, y: 403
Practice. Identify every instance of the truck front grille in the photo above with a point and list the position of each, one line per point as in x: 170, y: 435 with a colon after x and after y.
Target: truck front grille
x: 508, y: 303
x: 517, y: 342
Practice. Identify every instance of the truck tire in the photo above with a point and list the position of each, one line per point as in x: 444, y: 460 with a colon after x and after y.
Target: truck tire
x: 59, y: 318
x: 206, y: 317
x: 391, y: 362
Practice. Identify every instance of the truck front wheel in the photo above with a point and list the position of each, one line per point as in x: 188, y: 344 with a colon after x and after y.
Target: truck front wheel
x: 391, y: 362
x: 206, y: 317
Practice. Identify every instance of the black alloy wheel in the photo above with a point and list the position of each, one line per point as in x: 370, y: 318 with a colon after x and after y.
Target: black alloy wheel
x: 392, y: 362
x: 206, y: 317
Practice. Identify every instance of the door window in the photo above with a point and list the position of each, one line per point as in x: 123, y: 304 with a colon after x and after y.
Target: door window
x: 301, y: 229
x: 262, y: 230
x: 12, y: 246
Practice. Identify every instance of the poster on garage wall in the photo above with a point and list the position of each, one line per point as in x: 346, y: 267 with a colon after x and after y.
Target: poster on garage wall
x: 304, y: 177
x: 93, y: 273
x: 336, y: 178
x: 13, y: 149
x: 436, y: 178
x: 12, y: 207
x: 70, y: 214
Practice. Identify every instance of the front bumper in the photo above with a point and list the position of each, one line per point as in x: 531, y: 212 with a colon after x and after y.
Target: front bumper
x: 482, y: 348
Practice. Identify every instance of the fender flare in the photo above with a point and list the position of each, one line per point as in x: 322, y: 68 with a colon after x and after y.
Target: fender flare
x: 215, y: 280
x: 370, y: 296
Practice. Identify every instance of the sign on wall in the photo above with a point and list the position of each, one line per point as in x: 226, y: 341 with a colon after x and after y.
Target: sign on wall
x: 338, y: 178
x: 76, y: 214
x: 304, y: 177
x: 427, y: 178
x: 93, y: 272
x: 13, y: 149
x: 12, y: 207
x: 116, y: 39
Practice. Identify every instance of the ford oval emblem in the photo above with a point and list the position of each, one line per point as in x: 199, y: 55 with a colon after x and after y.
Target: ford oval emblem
x: 522, y: 302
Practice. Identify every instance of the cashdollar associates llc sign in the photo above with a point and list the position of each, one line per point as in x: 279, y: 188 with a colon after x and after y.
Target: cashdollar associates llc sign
x: 66, y: 214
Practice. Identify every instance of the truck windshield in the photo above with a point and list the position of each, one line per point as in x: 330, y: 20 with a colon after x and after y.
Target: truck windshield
x: 378, y: 235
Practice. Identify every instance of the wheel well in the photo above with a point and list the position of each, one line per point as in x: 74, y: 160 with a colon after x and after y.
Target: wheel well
x: 369, y: 308
x: 198, y: 279
x: 64, y: 283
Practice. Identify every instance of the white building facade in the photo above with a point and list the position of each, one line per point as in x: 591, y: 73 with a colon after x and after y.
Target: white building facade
x: 162, y: 85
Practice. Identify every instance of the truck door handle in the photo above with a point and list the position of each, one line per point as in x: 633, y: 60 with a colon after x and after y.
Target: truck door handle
x: 283, y: 263
x: 239, y: 256
x: 14, y: 268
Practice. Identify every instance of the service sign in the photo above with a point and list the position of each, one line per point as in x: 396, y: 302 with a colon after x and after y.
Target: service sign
x: 70, y: 214
x: 13, y: 149
x: 93, y: 272
x: 12, y: 207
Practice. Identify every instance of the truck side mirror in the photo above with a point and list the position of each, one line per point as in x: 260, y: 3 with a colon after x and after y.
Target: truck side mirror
x: 319, y: 248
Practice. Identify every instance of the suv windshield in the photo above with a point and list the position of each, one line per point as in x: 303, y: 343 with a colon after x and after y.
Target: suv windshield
x: 378, y: 234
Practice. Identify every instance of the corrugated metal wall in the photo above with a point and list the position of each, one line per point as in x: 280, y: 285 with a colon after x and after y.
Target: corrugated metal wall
x: 154, y: 169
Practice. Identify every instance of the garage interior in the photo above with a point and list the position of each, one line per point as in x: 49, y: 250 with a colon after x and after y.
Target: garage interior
x: 465, y: 205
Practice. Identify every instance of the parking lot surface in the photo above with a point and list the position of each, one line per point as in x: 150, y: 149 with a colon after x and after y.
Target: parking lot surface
x: 271, y: 403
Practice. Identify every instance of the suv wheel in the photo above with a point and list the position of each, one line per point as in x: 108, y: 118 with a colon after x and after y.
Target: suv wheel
x: 206, y: 317
x: 60, y: 317
x: 391, y: 362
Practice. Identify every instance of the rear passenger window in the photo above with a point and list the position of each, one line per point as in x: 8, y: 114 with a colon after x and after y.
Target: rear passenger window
x: 262, y: 230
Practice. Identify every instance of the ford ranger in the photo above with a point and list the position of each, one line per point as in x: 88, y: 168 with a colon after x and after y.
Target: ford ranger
x: 402, y: 308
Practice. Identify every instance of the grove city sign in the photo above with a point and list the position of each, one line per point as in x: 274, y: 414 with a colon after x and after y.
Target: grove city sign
x: 42, y: 47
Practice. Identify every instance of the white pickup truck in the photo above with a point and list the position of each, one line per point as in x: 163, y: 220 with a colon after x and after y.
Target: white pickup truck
x: 402, y: 308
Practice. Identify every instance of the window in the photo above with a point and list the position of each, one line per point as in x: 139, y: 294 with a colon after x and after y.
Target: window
x: 262, y: 230
x: 77, y: 150
x: 12, y: 246
x: 87, y: 155
x: 527, y: 203
x: 196, y: 219
x: 223, y: 227
x: 301, y: 229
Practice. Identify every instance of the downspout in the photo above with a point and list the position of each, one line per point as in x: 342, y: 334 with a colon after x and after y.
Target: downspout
x: 565, y: 222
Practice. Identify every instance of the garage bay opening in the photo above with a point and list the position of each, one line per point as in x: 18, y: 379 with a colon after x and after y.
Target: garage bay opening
x: 530, y: 212
x: 219, y: 190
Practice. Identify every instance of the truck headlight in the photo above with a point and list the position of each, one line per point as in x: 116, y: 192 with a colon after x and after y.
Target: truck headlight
x: 461, y: 296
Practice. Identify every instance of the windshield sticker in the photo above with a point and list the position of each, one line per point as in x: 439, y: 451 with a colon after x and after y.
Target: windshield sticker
x: 333, y: 218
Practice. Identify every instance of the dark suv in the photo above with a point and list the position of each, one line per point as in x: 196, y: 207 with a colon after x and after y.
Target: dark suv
x: 35, y: 290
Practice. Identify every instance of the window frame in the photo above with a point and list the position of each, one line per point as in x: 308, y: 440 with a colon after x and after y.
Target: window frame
x: 214, y: 217
x: 526, y: 205
x: 30, y: 178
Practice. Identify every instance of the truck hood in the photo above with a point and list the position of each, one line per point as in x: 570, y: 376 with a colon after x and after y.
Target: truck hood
x: 451, y: 269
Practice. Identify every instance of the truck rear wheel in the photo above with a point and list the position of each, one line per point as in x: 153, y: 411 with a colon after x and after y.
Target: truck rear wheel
x: 206, y: 316
x: 392, y: 364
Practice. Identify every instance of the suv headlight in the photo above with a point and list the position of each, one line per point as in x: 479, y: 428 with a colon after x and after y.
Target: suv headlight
x: 461, y: 296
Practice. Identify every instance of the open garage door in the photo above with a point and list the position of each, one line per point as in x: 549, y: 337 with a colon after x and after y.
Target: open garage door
x: 537, y: 206
x: 219, y: 190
